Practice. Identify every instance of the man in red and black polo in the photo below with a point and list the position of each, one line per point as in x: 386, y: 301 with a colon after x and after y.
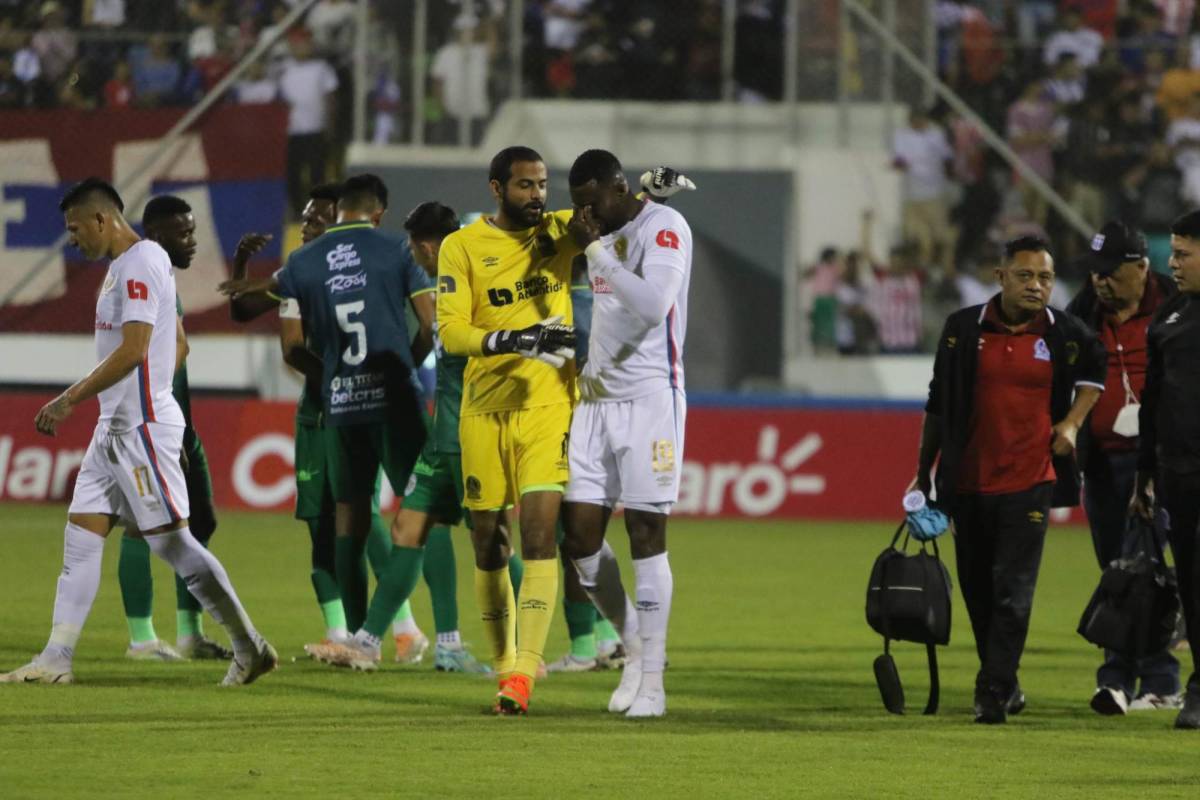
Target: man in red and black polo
x: 1013, y: 382
x: 1119, y: 302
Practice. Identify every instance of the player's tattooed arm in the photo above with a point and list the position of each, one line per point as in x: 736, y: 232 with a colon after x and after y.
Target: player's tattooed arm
x: 249, y: 298
x: 135, y: 343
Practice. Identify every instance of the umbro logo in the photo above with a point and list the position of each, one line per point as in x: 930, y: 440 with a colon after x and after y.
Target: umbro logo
x: 647, y: 605
x: 534, y: 604
x: 491, y: 261
x: 1036, y: 517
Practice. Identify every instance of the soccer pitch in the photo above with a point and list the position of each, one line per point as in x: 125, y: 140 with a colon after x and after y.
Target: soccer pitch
x: 770, y: 691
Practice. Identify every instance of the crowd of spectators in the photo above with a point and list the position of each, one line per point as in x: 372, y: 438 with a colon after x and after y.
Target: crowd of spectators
x: 1100, y: 98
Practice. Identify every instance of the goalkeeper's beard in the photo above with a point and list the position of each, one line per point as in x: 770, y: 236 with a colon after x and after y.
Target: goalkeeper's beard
x: 527, y: 215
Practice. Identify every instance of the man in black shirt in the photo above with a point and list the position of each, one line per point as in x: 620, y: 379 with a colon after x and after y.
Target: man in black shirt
x: 1169, y: 451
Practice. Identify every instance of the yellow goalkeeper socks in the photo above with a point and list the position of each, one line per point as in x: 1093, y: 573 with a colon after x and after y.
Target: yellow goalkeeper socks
x: 539, y: 592
x: 498, y: 610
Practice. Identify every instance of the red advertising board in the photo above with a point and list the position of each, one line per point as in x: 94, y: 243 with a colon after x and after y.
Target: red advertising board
x: 781, y: 463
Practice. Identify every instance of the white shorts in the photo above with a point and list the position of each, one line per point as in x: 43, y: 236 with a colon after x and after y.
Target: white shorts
x: 628, y: 451
x: 135, y: 475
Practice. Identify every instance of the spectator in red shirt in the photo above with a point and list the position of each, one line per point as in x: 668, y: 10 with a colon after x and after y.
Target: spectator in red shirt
x: 1119, y: 302
x: 1013, y: 382
x: 118, y: 91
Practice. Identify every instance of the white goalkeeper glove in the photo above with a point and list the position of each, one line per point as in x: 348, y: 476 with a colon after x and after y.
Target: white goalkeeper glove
x: 548, y: 341
x: 663, y: 182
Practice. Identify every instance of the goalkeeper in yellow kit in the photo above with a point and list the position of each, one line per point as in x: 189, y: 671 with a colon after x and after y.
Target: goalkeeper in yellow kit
x: 504, y: 300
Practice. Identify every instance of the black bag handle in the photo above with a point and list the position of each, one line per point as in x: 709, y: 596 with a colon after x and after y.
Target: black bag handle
x: 1146, y: 530
x: 931, y: 705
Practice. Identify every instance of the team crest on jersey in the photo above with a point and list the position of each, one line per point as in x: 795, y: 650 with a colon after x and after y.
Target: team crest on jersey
x: 344, y: 256
x: 621, y: 247
x: 1072, y: 352
x: 662, y: 455
x: 600, y: 286
x: 474, y: 489
x: 1041, y: 351
x: 109, y: 282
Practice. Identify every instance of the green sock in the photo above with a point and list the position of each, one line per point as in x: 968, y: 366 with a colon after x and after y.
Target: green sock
x: 605, y: 632
x: 395, y: 585
x: 352, y: 580
x: 333, y: 614
x: 404, y: 613
x: 188, y: 623
x: 516, y: 571
x: 379, y: 545
x: 442, y: 576
x: 137, y: 589
x: 581, y: 625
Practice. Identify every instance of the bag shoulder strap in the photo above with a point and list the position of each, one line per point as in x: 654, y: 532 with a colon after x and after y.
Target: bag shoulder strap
x: 935, y: 687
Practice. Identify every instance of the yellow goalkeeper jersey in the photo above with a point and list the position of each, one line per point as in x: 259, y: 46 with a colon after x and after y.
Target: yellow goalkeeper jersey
x: 490, y: 280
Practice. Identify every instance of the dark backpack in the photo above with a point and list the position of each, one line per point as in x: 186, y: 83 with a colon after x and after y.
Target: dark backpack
x: 1133, y: 610
x: 908, y: 599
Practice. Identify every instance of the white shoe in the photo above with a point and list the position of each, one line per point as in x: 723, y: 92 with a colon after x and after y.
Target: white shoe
x: 648, y: 703
x: 610, y: 655
x: 627, y: 690
x: 158, y: 650
x: 201, y: 648
x: 264, y: 660
x: 1109, y: 701
x: 411, y: 647
x: 570, y: 663
x: 38, y: 672
x: 1157, y: 702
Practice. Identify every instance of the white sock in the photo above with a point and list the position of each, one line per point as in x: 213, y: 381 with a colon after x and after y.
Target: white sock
x: 337, y: 634
x: 208, y: 582
x: 364, y: 639
x: 450, y: 639
x: 654, y: 588
x: 600, y: 576
x: 83, y: 554
x: 408, y: 626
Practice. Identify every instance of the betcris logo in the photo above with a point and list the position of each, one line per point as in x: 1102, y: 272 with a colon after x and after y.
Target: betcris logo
x: 346, y: 283
x: 342, y: 257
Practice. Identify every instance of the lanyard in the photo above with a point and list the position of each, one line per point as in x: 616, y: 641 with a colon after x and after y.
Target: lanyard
x: 1130, y: 397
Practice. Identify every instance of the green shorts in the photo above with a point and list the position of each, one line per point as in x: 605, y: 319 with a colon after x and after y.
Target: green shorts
x: 355, y: 454
x: 313, y: 497
x: 436, y: 487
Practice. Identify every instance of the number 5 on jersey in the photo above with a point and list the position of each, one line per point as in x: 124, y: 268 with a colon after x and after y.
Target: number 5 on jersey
x: 356, y: 352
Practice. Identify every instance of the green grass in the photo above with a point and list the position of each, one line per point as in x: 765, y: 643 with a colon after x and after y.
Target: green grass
x: 770, y: 689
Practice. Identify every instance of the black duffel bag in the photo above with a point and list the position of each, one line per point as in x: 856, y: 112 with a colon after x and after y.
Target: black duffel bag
x: 908, y: 599
x: 1133, y: 610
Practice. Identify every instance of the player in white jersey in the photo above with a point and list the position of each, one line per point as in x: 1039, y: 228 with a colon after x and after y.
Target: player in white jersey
x: 131, y: 473
x: 626, y: 441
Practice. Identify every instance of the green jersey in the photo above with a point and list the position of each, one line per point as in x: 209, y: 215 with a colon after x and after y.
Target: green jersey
x: 179, y: 384
x: 362, y: 335
x: 447, y: 402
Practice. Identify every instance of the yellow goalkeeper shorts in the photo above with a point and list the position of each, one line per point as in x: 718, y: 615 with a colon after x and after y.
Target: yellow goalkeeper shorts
x: 506, y: 454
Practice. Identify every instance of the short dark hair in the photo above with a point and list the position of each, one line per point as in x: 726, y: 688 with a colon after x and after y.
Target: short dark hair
x: 326, y: 191
x: 501, y: 167
x: 431, y: 220
x: 1188, y: 225
x: 360, y: 191
x: 1023, y: 244
x: 163, y: 206
x: 594, y: 165
x: 88, y: 188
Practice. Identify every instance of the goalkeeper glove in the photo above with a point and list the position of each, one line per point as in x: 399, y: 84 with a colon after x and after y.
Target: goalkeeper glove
x: 663, y: 182
x: 547, y: 341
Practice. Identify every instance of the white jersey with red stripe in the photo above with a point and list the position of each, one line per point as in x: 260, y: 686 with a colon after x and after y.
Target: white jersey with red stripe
x: 628, y: 358
x: 139, y: 287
